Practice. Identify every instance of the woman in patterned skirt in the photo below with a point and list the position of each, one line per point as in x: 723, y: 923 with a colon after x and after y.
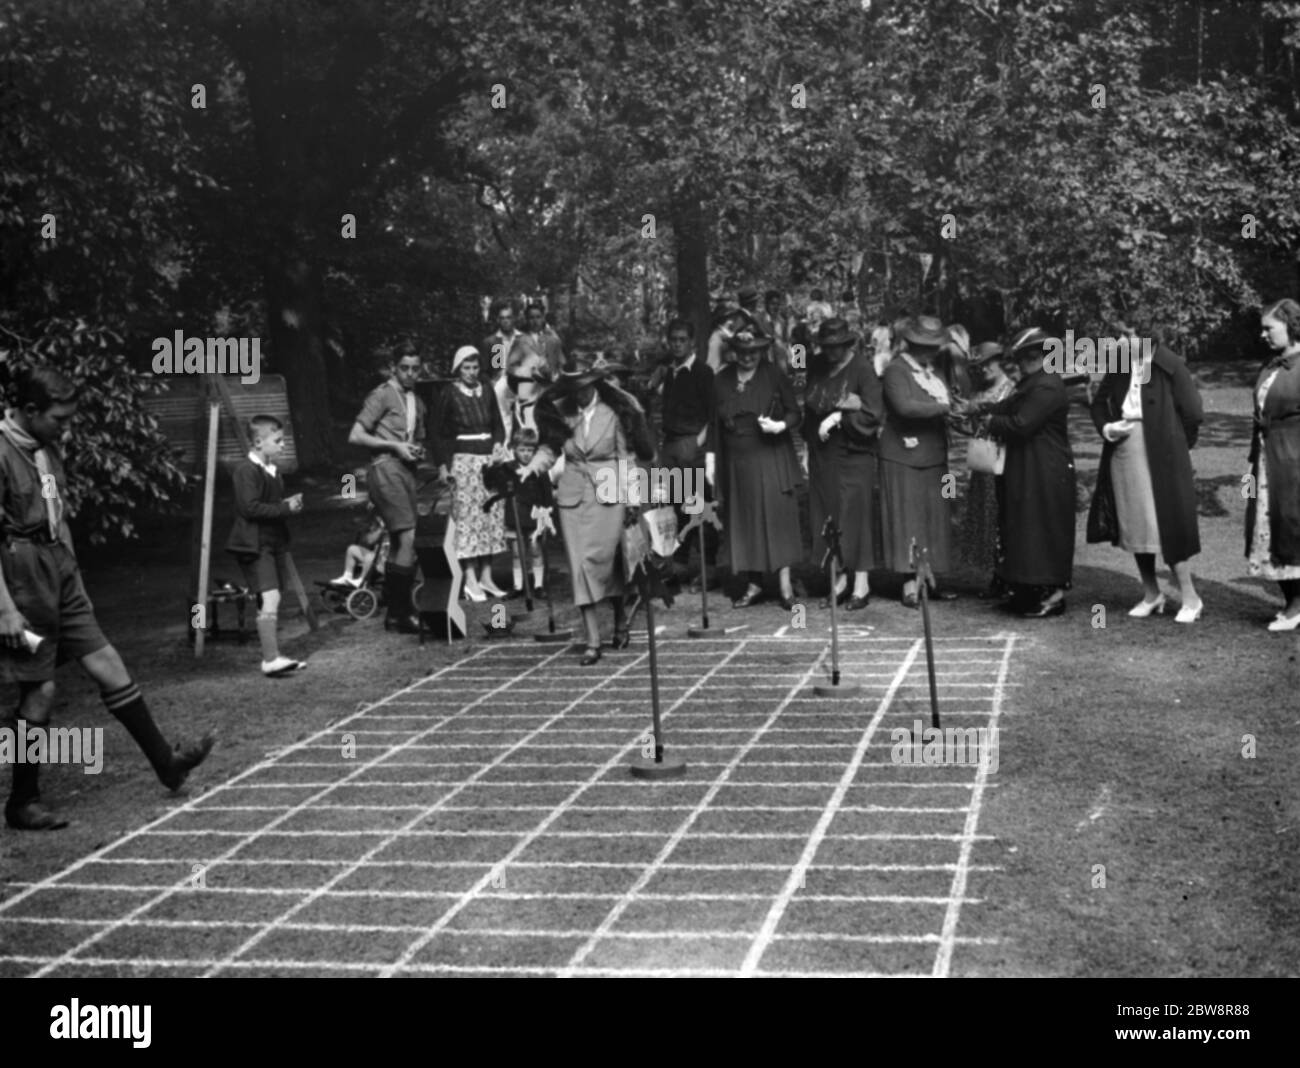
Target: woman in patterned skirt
x: 1273, y: 513
x: 468, y: 431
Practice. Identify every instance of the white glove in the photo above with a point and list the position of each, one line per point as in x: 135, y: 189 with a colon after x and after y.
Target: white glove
x: 710, y: 467
x: 770, y: 426
x: 829, y: 424
x: 1117, y: 431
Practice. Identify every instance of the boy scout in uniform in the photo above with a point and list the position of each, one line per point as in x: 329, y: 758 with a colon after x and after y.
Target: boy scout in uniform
x: 390, y: 425
x: 41, y: 592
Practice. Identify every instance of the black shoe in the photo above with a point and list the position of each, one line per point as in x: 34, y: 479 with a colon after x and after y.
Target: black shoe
x: 788, y: 603
x: 33, y: 816
x: 910, y: 600
x: 841, y: 598
x: 186, y: 759
x: 1047, y: 608
x: 857, y: 603
x: 622, y: 638
x: 752, y: 597
x: 402, y: 624
x: 943, y: 595
x: 592, y: 656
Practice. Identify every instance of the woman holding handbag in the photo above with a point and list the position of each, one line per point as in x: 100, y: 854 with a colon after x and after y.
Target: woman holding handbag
x: 752, y: 456
x: 1038, y: 482
x: 1149, y: 416
x: 843, y: 414
x: 986, y: 458
x: 594, y: 426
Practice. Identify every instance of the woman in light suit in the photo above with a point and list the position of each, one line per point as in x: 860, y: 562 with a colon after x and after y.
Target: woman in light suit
x: 593, y: 425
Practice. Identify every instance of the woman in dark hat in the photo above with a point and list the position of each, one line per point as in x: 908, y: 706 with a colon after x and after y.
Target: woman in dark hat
x: 1038, y: 482
x: 843, y: 414
x: 981, y: 520
x: 751, y: 456
x: 1149, y: 415
x: 1273, y: 511
x: 914, y: 454
x: 593, y: 425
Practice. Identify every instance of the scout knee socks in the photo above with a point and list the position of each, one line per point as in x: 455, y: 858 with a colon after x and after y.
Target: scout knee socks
x: 266, y: 625
x: 26, y: 783
x: 397, y: 590
x: 171, y: 766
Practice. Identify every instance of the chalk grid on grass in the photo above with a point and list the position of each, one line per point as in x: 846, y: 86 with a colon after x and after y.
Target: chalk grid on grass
x: 487, y: 825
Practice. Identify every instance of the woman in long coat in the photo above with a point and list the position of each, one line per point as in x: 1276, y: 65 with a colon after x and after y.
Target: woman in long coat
x: 914, y: 454
x: 467, y: 431
x: 1273, y: 512
x: 843, y: 414
x: 1038, y: 482
x: 594, y: 426
x: 1149, y: 417
x: 752, y: 457
x: 981, y: 522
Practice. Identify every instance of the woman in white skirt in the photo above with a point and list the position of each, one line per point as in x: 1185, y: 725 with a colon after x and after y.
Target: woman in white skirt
x: 1149, y: 416
x: 467, y: 432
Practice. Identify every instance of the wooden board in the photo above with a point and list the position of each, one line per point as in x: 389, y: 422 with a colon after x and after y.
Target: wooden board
x: 182, y: 414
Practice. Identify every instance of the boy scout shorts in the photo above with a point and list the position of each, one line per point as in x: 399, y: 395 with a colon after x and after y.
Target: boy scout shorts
x: 391, y: 486
x: 45, y: 584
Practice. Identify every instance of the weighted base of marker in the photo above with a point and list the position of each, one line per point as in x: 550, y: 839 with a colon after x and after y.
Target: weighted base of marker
x: 702, y: 632
x: 558, y: 636
x: 669, y: 768
x: 846, y: 689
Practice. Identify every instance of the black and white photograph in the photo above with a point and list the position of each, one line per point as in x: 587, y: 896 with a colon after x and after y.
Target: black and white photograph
x: 651, y: 489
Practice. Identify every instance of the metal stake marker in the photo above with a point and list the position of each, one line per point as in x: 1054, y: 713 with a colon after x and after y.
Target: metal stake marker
x: 707, y: 514
x: 831, y: 533
x: 524, y: 561
x: 924, y: 577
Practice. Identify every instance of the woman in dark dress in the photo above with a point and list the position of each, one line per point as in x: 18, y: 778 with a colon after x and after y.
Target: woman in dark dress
x: 982, y: 520
x: 467, y: 432
x: 1148, y: 416
x: 751, y: 456
x: 914, y: 454
x: 1038, y: 482
x: 843, y: 415
x: 1273, y: 512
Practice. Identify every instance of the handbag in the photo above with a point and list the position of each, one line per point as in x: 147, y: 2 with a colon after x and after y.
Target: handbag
x: 1103, y: 521
x: 985, y: 456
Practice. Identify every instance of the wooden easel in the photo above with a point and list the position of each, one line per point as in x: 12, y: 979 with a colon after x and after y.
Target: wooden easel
x: 218, y: 398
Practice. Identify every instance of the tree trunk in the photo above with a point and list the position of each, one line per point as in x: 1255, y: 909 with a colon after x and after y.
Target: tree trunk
x: 295, y: 321
x: 692, y: 240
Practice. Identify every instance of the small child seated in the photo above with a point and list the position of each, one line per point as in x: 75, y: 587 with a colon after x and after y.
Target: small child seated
x: 361, y: 553
x: 535, y: 492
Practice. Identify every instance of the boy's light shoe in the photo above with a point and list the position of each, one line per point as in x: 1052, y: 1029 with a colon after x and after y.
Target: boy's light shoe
x: 280, y: 666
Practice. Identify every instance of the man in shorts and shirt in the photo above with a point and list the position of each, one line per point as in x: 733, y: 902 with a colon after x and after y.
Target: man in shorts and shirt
x: 390, y: 425
x: 41, y: 593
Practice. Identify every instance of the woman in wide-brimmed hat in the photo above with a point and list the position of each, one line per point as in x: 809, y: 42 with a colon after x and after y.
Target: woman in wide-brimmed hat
x: 593, y: 425
x: 1149, y: 415
x: 843, y: 414
x: 981, y: 520
x: 1038, y: 482
x: 469, y: 430
x: 914, y: 454
x: 751, y: 456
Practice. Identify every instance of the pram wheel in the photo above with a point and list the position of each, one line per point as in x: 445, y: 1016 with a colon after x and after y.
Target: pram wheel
x: 362, y: 603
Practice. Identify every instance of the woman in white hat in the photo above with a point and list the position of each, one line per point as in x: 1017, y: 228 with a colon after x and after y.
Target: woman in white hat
x: 469, y: 431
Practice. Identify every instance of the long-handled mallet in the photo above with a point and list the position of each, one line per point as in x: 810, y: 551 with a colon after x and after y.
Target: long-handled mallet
x: 661, y: 767
x: 708, y: 513
x: 543, y: 526
x: 924, y: 580
x: 831, y: 562
x: 524, y: 561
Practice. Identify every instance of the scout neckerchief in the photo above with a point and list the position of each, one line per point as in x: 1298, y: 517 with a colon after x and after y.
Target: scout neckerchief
x: 28, y: 444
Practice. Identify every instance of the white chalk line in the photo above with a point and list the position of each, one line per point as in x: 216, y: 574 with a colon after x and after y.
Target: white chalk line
x: 679, y: 835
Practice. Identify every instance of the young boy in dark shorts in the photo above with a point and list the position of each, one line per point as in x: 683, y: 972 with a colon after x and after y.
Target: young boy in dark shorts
x: 260, y: 536
x: 534, y: 494
x: 41, y: 592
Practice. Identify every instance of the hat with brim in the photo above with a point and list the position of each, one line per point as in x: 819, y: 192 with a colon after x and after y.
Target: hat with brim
x: 748, y: 342
x: 984, y: 352
x: 924, y: 330
x: 1029, y: 343
x: 465, y: 352
x: 834, y: 333
x: 747, y: 295
x: 584, y: 369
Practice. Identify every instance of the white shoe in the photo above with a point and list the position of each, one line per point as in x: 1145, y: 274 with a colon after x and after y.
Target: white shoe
x: 281, y: 665
x: 1285, y: 622
x: 473, y: 592
x: 1189, y: 615
x: 1148, y: 608
x: 342, y: 580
